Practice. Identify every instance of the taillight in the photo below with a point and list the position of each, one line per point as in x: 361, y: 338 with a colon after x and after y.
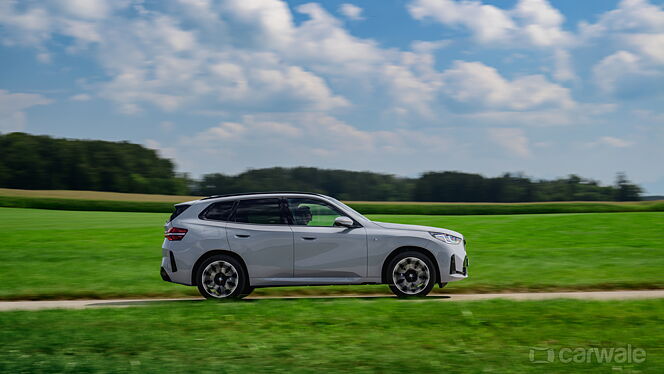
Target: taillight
x: 175, y: 233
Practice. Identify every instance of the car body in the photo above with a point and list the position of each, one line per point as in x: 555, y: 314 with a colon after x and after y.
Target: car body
x: 301, y: 239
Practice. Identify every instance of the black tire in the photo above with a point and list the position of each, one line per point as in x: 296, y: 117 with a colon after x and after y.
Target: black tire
x: 247, y: 291
x: 226, y: 278
x: 408, y: 280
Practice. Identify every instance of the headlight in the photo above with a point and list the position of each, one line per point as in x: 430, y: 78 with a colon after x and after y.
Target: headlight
x: 447, y: 238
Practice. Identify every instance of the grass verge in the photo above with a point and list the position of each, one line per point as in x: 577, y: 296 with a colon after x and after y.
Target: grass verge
x: 362, y: 336
x: 48, y: 254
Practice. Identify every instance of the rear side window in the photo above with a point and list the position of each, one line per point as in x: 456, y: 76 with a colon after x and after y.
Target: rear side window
x: 219, y: 211
x: 178, y: 210
x: 260, y: 211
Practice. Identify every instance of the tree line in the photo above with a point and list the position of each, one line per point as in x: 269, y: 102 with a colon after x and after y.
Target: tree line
x: 447, y: 186
x: 42, y: 162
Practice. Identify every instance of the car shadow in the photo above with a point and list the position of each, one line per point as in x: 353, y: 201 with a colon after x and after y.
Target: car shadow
x: 343, y: 297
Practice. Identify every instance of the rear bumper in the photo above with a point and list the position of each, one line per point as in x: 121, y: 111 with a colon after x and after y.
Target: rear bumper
x: 171, y: 271
x: 164, y: 275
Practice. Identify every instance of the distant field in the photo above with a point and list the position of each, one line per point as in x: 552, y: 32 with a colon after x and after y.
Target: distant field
x: 340, y: 336
x: 50, y: 254
x: 95, y: 195
x: 120, y: 202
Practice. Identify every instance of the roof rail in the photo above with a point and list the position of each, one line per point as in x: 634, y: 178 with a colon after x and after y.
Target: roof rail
x: 262, y: 193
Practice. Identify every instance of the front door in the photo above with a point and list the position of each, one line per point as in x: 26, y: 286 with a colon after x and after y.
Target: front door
x: 322, y: 250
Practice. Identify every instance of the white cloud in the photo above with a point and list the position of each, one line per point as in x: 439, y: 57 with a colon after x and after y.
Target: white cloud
x: 633, y: 34
x: 513, y: 140
x: 650, y: 45
x: 628, y: 75
x: 631, y: 16
x: 615, y: 142
x: 488, y: 23
x: 541, y: 24
x: 611, y: 142
x: 223, y: 131
x: 352, y: 12
x: 270, y: 22
x: 80, y: 97
x: 167, y: 152
x: 563, y: 70
x: 531, y: 22
x: 581, y: 114
x: 13, y: 106
x: 309, y: 134
x: 475, y: 84
x: 29, y: 27
x: 94, y: 9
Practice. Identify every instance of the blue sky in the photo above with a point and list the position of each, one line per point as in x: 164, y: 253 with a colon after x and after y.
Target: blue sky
x: 396, y: 86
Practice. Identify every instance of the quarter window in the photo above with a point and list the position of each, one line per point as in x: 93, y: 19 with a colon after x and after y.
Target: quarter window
x: 259, y: 211
x: 311, y: 212
x: 220, y: 211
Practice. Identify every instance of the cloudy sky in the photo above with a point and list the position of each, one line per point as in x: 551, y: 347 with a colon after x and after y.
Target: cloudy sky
x: 397, y: 86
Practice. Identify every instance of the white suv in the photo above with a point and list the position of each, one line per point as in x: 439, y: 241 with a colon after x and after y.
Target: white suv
x: 229, y: 245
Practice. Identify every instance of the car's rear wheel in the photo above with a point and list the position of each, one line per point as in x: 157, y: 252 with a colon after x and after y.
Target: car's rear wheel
x: 411, y: 274
x: 222, y: 277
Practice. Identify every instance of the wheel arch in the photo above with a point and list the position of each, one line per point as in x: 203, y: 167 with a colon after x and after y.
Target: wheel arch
x: 216, y: 252
x: 384, y: 274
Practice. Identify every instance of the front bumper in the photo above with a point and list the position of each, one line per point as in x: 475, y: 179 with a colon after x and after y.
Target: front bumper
x: 453, y: 264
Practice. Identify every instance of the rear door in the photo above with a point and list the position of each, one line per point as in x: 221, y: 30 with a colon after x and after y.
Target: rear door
x: 322, y: 250
x: 259, y: 232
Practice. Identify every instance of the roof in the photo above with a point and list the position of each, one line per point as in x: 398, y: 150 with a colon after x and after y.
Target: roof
x: 263, y: 193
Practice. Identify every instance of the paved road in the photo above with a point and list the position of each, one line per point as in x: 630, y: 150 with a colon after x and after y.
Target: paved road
x: 117, y: 303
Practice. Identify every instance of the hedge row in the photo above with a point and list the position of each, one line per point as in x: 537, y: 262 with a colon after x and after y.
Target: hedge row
x: 365, y: 208
x: 76, y: 204
x: 489, y: 209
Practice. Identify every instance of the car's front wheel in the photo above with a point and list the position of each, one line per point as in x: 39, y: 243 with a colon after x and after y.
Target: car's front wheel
x: 411, y: 274
x: 222, y: 277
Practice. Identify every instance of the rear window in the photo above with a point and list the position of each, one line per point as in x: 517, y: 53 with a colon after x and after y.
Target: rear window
x: 178, y: 210
x: 219, y: 211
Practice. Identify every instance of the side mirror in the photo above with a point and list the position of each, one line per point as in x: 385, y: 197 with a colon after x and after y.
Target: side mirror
x: 344, y: 221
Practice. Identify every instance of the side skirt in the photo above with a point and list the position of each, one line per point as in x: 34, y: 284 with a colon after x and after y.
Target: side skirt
x: 284, y: 282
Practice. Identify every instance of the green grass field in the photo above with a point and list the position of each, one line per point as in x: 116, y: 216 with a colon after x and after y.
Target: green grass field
x: 50, y: 254
x: 358, y: 335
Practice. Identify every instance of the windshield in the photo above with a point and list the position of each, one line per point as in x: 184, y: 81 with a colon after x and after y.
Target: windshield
x: 346, y: 207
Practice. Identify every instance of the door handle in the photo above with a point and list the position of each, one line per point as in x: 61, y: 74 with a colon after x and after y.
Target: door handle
x: 308, y: 238
x: 242, y: 235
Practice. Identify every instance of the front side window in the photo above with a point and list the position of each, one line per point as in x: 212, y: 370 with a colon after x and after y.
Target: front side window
x: 311, y: 212
x: 259, y: 211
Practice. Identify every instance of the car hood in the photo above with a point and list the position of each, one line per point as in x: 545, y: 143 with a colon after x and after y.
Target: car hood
x: 401, y: 226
